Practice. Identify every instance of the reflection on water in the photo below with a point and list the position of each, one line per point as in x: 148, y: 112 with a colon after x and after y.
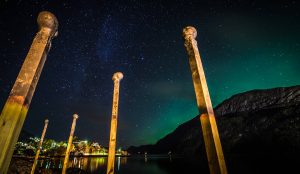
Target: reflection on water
x: 171, y: 164
x: 138, y: 164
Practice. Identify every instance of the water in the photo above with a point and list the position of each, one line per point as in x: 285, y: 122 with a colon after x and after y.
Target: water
x: 126, y: 165
x: 151, y: 164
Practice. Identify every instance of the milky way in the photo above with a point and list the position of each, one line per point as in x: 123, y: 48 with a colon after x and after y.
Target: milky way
x: 244, y: 46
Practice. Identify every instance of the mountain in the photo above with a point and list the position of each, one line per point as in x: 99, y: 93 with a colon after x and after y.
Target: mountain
x: 257, y: 123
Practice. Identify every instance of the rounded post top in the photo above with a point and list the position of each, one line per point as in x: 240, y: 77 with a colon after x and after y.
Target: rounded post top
x: 75, y: 116
x: 117, y: 76
x: 46, y: 121
x: 189, y: 31
x: 47, y: 20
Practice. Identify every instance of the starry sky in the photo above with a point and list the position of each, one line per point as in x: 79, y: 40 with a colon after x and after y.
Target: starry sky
x: 244, y: 45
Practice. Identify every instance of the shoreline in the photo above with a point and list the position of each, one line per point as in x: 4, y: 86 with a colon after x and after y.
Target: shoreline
x: 134, y: 155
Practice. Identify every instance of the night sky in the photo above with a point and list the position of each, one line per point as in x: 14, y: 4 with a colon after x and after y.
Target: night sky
x: 244, y: 45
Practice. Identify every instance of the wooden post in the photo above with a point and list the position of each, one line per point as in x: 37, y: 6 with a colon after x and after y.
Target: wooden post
x: 113, y: 127
x: 15, y: 109
x: 39, y: 147
x: 75, y: 117
x: 212, y: 142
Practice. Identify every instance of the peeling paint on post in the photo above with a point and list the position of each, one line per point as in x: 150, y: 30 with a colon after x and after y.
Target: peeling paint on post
x: 15, y: 109
x: 117, y: 77
x: 70, y: 142
x: 212, y: 141
x: 39, y: 147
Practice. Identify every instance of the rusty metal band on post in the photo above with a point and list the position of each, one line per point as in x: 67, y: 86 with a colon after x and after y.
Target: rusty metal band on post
x: 212, y: 142
x: 15, y: 109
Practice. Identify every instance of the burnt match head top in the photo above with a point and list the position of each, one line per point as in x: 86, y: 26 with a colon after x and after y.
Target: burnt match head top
x: 117, y: 76
x: 47, y: 20
x: 75, y: 116
x: 46, y: 121
x: 189, y: 31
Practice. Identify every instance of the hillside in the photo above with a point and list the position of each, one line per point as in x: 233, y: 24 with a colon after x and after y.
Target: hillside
x: 264, y: 123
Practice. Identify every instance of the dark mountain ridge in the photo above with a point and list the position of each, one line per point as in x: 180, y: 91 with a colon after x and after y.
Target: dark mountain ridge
x: 259, y: 132
x: 258, y: 122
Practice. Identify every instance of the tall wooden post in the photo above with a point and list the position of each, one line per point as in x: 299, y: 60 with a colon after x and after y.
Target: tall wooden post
x: 75, y: 117
x: 39, y: 147
x: 212, y: 142
x: 117, y: 77
x: 17, y: 104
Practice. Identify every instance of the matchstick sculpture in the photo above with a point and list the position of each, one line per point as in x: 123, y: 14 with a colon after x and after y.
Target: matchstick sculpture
x: 39, y: 147
x: 15, y: 109
x: 212, y: 142
x: 117, y: 77
x: 70, y: 142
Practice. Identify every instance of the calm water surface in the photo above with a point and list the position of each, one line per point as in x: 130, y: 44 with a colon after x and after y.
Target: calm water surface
x: 245, y: 164
x: 126, y: 165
